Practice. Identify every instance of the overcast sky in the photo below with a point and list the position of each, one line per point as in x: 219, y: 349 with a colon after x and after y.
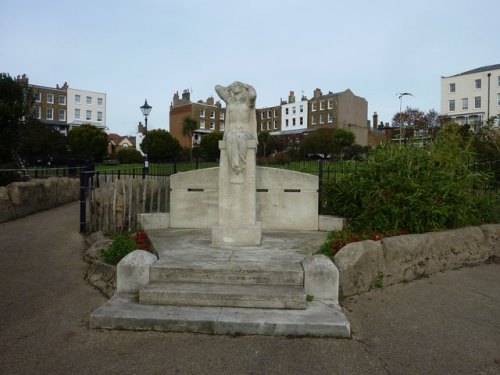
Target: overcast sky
x: 132, y: 50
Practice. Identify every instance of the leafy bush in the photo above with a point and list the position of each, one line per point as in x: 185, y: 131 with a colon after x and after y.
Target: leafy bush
x: 129, y: 156
x: 412, y: 189
x: 119, y: 248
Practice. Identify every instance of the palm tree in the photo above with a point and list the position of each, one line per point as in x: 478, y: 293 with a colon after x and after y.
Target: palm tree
x: 189, y: 125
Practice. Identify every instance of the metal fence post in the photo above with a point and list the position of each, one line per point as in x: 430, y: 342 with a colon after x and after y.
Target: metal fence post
x: 320, y: 185
x: 83, y: 203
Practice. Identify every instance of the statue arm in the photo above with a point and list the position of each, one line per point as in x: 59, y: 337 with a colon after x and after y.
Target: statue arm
x: 222, y: 92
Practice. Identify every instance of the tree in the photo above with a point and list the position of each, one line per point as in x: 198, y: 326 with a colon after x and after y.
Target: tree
x: 89, y: 141
x: 414, y: 119
x: 319, y: 142
x: 41, y: 143
x: 263, y: 138
x: 189, y: 125
x: 160, y: 146
x: 342, y: 139
x: 209, y: 146
x: 16, y: 109
x: 129, y: 155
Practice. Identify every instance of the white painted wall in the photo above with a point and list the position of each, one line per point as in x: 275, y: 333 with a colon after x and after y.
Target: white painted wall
x: 465, y: 88
x: 294, y: 112
x: 94, y: 107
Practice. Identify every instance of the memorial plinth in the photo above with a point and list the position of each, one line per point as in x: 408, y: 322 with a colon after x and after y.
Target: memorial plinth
x: 237, y: 222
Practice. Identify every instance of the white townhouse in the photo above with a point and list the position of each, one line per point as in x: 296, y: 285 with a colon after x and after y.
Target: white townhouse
x: 86, y: 107
x: 472, y: 96
x: 294, y: 114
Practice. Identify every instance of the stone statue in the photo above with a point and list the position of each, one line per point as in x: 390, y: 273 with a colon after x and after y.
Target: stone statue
x: 241, y: 122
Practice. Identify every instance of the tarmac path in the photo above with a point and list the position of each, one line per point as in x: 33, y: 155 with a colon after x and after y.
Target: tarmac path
x: 448, y: 323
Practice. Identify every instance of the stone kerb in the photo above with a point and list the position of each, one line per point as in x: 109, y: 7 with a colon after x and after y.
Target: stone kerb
x: 321, y: 278
x: 363, y: 265
x: 133, y: 271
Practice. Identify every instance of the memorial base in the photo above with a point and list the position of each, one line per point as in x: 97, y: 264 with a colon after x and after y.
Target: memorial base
x: 242, y: 235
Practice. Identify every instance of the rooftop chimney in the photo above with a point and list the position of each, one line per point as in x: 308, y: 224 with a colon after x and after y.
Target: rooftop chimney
x: 291, y: 97
x: 317, y: 93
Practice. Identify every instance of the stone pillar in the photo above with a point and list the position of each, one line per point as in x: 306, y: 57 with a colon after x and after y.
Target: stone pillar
x: 237, y: 223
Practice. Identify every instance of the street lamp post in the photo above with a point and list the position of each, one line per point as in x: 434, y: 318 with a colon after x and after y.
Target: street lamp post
x: 401, y: 94
x: 146, y: 109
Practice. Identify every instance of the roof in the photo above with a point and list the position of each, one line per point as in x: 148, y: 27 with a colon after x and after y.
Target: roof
x: 479, y: 70
x: 118, y: 139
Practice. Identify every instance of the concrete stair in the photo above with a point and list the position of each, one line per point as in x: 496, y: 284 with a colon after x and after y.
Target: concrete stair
x: 270, y: 285
x: 223, y: 295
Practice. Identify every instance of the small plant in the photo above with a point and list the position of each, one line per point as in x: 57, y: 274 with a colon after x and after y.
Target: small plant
x: 379, y: 281
x: 119, y: 248
x: 309, y: 298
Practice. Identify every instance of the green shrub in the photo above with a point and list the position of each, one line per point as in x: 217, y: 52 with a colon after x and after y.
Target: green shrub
x: 129, y: 156
x: 412, y: 189
x: 119, y: 248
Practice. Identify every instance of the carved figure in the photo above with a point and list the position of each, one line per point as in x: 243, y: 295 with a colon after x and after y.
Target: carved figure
x: 241, y: 123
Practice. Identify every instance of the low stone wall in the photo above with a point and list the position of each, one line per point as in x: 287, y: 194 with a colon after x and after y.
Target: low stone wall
x: 100, y: 274
x: 364, y: 265
x: 19, y: 199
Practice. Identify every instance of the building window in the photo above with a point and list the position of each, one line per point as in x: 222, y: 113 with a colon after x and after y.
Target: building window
x: 212, y: 114
x: 452, y: 87
x: 286, y: 122
x: 330, y: 104
x: 38, y: 96
x: 89, y: 100
x: 62, y: 99
x: 477, y: 84
x: 50, y: 114
x: 451, y: 105
x: 321, y: 105
x: 261, y: 126
x: 202, y: 124
x: 221, y: 126
x: 293, y: 121
x: 302, y: 121
x: 50, y: 98
x: 269, y: 125
x: 314, y: 106
x: 301, y: 108
x: 275, y: 124
x: 313, y: 120
x: 294, y: 110
x: 498, y: 99
x: 202, y: 113
x: 275, y: 113
x: 99, y: 116
x: 262, y: 115
x: 99, y: 102
x: 330, y: 117
x: 62, y: 115
x: 77, y: 113
x: 321, y: 119
x: 221, y: 116
x: 465, y: 103
x: 37, y: 112
x: 269, y: 114
x: 88, y: 115
x: 286, y: 111
x: 477, y: 102
x: 77, y: 98
x: 212, y: 125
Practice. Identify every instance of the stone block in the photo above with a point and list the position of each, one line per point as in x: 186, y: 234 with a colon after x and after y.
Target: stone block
x: 327, y: 223
x: 321, y: 277
x: 159, y: 220
x: 242, y: 235
x: 411, y: 256
x: 492, y: 238
x: 94, y: 252
x: 359, y: 265
x: 133, y: 271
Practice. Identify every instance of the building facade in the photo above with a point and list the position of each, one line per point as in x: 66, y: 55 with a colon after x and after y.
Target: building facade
x: 209, y: 117
x: 342, y: 110
x: 269, y: 118
x: 51, y: 106
x: 472, y: 96
x: 86, y: 107
x: 294, y: 115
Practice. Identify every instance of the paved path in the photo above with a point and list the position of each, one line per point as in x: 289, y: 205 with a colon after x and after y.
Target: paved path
x: 447, y: 323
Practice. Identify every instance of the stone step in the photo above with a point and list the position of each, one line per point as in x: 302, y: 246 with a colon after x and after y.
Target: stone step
x: 223, y: 295
x: 263, y: 273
